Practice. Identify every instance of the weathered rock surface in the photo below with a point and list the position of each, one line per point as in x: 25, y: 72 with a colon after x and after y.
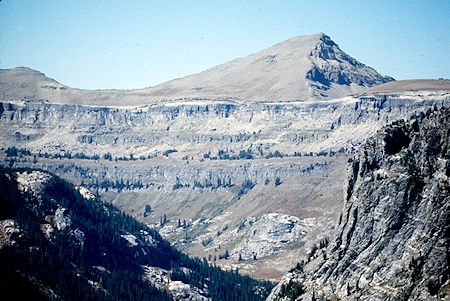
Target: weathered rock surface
x: 391, y: 241
x: 267, y: 235
x: 208, y: 128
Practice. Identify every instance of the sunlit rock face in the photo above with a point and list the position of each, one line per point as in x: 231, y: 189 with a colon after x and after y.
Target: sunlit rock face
x: 391, y: 240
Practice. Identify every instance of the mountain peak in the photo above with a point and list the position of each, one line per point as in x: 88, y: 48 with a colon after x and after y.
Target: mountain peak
x: 311, y: 37
x: 310, y: 67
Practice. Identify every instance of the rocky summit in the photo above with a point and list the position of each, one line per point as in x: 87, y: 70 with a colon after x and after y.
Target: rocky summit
x: 301, y: 68
x: 391, y: 240
x: 309, y: 67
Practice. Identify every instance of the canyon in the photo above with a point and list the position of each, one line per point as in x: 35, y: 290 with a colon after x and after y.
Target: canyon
x: 242, y: 164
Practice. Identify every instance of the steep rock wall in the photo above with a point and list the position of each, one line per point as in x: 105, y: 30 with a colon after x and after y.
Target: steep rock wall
x: 391, y: 241
x: 196, y: 128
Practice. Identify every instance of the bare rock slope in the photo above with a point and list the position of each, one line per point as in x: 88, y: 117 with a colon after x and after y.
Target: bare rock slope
x: 391, y: 241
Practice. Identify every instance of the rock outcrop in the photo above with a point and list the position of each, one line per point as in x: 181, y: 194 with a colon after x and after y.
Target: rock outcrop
x: 391, y: 241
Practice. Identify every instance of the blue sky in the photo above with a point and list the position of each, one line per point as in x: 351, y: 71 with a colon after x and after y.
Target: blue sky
x: 136, y: 44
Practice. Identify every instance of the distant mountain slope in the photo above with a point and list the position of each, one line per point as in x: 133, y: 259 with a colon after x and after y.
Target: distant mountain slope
x: 412, y: 85
x: 392, y: 238
x: 56, y: 244
x: 302, y: 68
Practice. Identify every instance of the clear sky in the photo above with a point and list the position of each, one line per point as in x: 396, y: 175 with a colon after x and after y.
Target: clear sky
x: 136, y: 44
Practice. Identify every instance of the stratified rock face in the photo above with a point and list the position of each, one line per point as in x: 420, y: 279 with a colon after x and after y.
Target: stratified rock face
x: 196, y: 128
x: 332, y: 71
x: 391, y: 242
x: 181, y: 160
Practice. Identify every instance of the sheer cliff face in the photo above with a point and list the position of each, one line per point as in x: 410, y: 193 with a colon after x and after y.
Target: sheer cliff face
x: 332, y: 72
x: 196, y: 128
x: 392, y: 239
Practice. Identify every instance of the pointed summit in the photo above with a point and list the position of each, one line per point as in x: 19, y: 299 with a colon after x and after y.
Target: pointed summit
x: 301, y: 68
x: 310, y: 67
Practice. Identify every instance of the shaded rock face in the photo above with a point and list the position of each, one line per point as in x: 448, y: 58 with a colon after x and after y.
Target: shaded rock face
x: 330, y: 65
x: 391, y: 242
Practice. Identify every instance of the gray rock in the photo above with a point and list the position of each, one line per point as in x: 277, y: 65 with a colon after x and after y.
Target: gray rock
x: 391, y: 241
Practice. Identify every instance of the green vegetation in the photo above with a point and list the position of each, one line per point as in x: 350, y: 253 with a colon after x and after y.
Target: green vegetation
x: 245, y: 187
x: 62, y: 264
x: 148, y: 210
x: 36, y: 266
x: 277, y: 181
x: 168, y: 152
x: 292, y: 290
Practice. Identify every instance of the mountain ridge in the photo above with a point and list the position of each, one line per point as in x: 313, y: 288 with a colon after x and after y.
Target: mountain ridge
x: 309, y: 67
x: 60, y: 242
x: 315, y: 57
